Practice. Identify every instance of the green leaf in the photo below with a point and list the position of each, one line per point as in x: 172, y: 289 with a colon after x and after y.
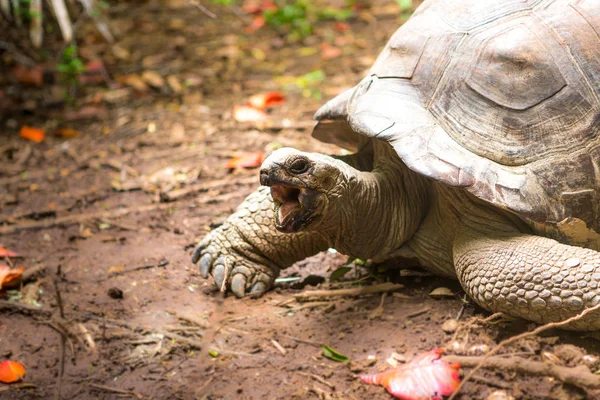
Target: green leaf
x: 213, y: 353
x: 405, y: 4
x: 333, y: 354
x: 339, y: 273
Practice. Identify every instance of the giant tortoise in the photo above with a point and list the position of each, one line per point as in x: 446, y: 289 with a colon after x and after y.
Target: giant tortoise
x: 477, y: 152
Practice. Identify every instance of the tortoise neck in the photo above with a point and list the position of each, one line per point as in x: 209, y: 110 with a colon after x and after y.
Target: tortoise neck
x: 382, y: 208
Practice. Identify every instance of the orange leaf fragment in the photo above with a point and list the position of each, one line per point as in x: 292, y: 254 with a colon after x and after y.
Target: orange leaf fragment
x: 425, y: 377
x: 257, y: 23
x: 10, y: 277
x: 329, y: 52
x: 34, y: 134
x: 31, y: 76
x: 67, y: 133
x: 248, y: 114
x: 94, y: 73
x: 266, y: 100
x: 250, y: 160
x: 257, y: 7
x: 7, y: 253
x: 341, y: 26
x: 11, y: 371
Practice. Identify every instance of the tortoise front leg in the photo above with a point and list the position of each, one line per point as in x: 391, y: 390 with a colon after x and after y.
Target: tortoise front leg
x: 530, y: 277
x: 245, y: 254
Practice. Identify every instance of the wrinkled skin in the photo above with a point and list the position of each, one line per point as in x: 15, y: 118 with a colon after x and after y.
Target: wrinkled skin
x: 371, y: 205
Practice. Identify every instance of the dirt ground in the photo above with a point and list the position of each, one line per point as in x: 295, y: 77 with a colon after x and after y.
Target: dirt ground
x: 109, y: 220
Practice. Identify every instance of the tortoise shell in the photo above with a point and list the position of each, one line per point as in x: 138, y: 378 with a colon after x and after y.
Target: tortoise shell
x: 501, y: 98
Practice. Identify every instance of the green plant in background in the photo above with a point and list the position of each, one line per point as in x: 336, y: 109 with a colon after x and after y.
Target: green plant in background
x: 70, y: 67
x: 308, y: 84
x: 100, y: 7
x: 406, y: 8
x: 22, y: 11
x: 296, y: 18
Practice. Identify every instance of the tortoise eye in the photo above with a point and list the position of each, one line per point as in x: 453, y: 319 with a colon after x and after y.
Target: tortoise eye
x: 299, y: 166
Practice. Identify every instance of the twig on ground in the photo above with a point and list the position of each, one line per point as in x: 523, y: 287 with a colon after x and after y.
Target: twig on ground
x: 318, y: 378
x: 233, y: 319
x: 321, y: 394
x: 204, y: 186
x: 285, y: 302
x: 359, y: 291
x: 578, y: 376
x: 79, y: 218
x: 309, y: 306
x: 89, y: 340
x: 115, y: 390
x: 161, y: 264
x: 62, y: 342
x: 191, y: 319
x: 121, y: 225
x: 474, y: 321
x: 513, y: 339
x: 208, y: 382
x: 116, y: 165
x: 21, y: 57
x: 460, y: 312
x: 135, y: 327
x: 205, y: 10
x: 418, y: 312
x: 304, y: 341
x: 24, y: 308
x: 489, y: 382
x: 377, y: 312
x: 237, y: 353
x: 29, y: 273
x: 18, y: 386
x: 279, y: 347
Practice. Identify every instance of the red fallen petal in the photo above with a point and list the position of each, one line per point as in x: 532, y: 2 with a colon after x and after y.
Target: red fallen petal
x: 248, y: 114
x: 425, y: 377
x: 329, y: 52
x: 250, y: 160
x: 253, y: 7
x: 31, y: 76
x: 257, y: 23
x: 7, y: 253
x: 341, y: 26
x: 266, y: 100
x: 10, y: 277
x: 67, y: 133
x: 34, y: 134
x: 94, y: 73
x: 11, y: 371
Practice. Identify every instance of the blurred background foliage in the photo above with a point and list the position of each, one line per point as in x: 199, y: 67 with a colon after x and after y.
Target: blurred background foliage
x: 56, y: 41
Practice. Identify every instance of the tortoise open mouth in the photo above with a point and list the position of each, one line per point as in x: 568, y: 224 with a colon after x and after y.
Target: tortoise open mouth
x: 294, y: 207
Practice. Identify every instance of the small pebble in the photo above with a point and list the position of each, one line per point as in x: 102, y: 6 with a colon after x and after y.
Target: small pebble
x: 440, y: 293
x: 500, y: 395
x: 450, y: 325
x: 115, y: 293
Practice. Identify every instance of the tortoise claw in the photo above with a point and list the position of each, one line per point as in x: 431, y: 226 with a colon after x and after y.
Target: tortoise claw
x: 205, y: 264
x: 258, y: 289
x: 238, y: 285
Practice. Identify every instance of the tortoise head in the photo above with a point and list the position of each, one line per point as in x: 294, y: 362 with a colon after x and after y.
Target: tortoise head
x: 303, y: 186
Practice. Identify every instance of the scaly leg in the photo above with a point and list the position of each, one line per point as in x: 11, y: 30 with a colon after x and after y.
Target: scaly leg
x: 246, y: 253
x: 530, y: 277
